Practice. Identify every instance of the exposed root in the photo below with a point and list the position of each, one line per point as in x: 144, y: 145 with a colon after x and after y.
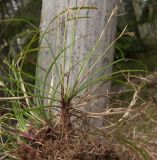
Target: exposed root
x: 51, y: 144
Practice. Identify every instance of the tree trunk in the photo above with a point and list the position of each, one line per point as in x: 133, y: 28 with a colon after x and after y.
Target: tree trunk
x: 148, y: 29
x: 143, y: 29
x: 89, y: 29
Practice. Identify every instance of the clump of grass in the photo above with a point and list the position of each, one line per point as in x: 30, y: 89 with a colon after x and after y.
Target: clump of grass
x: 35, y: 126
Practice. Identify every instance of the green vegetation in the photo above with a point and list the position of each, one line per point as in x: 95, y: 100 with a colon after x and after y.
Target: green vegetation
x: 28, y: 127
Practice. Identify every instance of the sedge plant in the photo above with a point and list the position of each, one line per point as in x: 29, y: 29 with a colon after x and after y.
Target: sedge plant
x: 25, y: 94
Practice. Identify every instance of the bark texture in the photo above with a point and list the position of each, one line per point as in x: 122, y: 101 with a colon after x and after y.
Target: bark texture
x: 52, y: 43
